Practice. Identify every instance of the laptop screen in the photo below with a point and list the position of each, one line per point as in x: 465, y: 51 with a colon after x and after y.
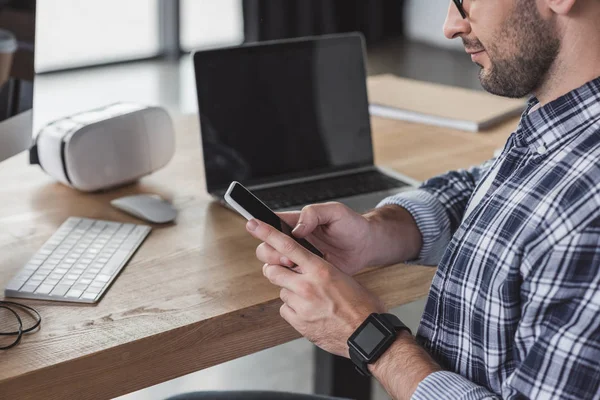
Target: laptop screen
x: 282, y: 110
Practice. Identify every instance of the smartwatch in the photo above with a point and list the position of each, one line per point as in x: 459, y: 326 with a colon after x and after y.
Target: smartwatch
x: 372, y: 338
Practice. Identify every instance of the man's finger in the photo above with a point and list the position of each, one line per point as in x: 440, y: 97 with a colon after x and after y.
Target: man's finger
x: 291, y: 217
x: 287, y: 313
x: 281, y: 242
x: 315, y: 215
x: 291, y: 299
x: 267, y: 254
x: 281, y: 276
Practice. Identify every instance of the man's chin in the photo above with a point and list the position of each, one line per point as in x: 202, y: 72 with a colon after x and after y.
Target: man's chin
x: 484, y: 74
x: 486, y: 80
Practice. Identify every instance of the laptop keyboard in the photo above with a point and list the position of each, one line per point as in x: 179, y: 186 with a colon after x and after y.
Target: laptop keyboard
x: 327, y: 189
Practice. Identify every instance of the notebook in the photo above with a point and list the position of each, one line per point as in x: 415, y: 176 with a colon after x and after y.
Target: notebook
x: 416, y: 101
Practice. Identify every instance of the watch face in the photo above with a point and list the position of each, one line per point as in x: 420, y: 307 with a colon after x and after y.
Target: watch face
x: 368, y: 338
x: 371, y: 338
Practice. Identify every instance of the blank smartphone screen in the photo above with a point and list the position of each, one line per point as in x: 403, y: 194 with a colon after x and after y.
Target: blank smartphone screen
x: 261, y: 212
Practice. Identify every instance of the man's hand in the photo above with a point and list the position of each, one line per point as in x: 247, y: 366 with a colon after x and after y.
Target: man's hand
x: 341, y: 234
x: 322, y: 303
x: 351, y: 241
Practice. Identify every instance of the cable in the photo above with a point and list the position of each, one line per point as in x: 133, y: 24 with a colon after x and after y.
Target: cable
x: 19, y: 333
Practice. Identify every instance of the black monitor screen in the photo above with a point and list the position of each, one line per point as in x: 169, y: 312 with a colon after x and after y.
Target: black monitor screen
x: 17, y: 38
x: 278, y: 110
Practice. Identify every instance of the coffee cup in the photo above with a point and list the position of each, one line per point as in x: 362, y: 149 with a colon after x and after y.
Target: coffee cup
x: 8, y: 47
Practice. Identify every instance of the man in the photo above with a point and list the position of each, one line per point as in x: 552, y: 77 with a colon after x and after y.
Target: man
x: 513, y: 310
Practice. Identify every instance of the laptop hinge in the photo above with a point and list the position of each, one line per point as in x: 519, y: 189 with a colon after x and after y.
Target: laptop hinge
x: 313, y: 178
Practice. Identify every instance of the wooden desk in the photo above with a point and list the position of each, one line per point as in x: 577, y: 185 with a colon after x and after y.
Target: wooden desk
x: 194, y: 295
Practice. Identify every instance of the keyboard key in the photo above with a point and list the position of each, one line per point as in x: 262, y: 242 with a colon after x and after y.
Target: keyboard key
x: 23, y: 275
x: 74, y: 293
x: 102, y: 278
x: 40, y: 276
x: 80, y: 286
x: 29, y: 288
x: 44, y: 289
x: 14, y: 285
x: 97, y: 284
x: 60, y: 290
x: 85, y: 224
x: 89, y: 296
x: 115, y: 262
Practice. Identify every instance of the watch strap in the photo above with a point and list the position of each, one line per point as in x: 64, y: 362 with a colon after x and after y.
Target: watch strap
x: 359, y: 364
x: 394, y: 323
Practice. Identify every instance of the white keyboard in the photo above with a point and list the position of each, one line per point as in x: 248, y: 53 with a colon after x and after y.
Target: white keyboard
x: 79, y: 262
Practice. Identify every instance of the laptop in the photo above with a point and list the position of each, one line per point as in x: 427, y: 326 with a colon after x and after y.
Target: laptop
x: 289, y: 119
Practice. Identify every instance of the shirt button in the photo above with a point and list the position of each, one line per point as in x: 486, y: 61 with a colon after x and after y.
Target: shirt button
x: 542, y: 150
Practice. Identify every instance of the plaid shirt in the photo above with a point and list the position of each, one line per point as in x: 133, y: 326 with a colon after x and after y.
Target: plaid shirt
x: 514, y: 308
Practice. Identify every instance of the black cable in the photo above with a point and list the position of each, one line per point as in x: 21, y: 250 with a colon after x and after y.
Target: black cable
x: 19, y: 334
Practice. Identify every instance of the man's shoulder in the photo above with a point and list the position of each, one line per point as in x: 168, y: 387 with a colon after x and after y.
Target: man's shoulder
x: 573, y: 176
x: 578, y: 160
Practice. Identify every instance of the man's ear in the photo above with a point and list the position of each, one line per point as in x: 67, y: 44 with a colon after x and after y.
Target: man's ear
x: 559, y: 7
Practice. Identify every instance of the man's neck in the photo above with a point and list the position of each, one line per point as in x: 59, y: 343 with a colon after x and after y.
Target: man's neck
x: 577, y: 63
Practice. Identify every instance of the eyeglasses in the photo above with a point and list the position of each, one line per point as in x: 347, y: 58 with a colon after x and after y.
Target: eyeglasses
x: 461, y: 9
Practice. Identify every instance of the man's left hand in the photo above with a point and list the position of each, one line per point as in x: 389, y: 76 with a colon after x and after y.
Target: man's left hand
x: 322, y: 303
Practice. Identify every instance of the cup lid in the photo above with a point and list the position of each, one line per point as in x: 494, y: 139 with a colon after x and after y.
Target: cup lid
x: 8, y: 42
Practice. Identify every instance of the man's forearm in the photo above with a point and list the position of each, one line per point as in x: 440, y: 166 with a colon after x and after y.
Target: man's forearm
x: 403, y: 366
x: 395, y: 236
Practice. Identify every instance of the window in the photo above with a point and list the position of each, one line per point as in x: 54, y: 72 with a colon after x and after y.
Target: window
x: 75, y: 33
x: 211, y: 23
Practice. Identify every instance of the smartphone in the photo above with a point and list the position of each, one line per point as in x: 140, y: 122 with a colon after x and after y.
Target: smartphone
x: 250, y: 207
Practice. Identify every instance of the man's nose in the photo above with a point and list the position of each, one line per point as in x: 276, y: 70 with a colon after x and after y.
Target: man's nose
x: 455, y: 25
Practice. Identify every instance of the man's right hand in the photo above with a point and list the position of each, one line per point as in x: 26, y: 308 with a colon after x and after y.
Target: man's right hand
x: 348, y: 240
x: 341, y: 234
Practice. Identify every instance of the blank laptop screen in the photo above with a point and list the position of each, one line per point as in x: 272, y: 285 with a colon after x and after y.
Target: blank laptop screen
x: 282, y: 110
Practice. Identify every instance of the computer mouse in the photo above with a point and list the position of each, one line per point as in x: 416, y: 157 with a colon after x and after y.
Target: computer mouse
x: 150, y: 208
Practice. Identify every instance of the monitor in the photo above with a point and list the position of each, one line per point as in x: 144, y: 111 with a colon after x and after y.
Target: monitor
x: 277, y: 110
x: 17, y: 40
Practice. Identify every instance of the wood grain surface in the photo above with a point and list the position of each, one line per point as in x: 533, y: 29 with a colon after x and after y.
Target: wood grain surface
x: 193, y: 296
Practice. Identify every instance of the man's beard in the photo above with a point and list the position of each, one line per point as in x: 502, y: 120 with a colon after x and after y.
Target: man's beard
x: 535, y: 44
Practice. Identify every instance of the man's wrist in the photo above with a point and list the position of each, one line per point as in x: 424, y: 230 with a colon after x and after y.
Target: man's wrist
x: 403, y: 366
x: 388, y: 226
x: 403, y: 338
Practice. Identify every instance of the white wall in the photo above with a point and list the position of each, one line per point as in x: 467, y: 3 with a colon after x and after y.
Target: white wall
x: 423, y: 22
